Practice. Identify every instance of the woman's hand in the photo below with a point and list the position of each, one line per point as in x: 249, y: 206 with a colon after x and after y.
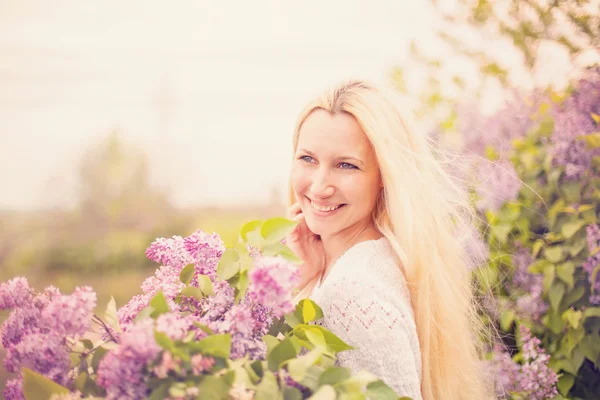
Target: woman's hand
x: 306, y: 245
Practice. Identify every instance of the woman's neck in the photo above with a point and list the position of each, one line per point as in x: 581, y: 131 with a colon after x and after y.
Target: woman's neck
x: 336, y: 245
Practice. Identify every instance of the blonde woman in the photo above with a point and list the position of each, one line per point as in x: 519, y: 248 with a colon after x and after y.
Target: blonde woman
x: 379, y: 227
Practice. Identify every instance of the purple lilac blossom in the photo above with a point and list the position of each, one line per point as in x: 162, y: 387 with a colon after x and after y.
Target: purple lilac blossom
x: 537, y: 380
x: 498, y: 184
x: 15, y: 293
x: 271, y: 283
x: 533, y: 379
x: 206, y: 251
x: 175, y: 325
x: 44, y: 353
x: 14, y: 389
x: 530, y: 305
x: 169, y: 251
x: 121, y: 372
x: 201, y: 364
x: 574, y: 118
x: 71, y: 315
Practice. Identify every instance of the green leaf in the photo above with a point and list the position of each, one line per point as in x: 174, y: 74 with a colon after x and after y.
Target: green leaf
x: 549, y: 273
x: 204, y: 328
x: 215, y: 345
x: 274, y: 230
x: 280, y: 249
x: 573, y: 296
x: 164, y: 341
x: 334, y: 343
x: 565, y: 272
x: 38, y: 387
x: 292, y: 393
x: 506, y: 319
x: 565, y: 383
x: 271, y: 342
x: 308, y: 311
x: 268, y: 389
x: 242, y: 286
x: 570, y: 228
x: 161, y: 392
x: 145, y: 313
x: 324, y: 393
x: 592, y: 140
x: 555, y: 294
x: 378, y: 390
x: 596, y: 118
x: 591, y: 312
x: 250, y: 233
x: 187, y: 274
x: 228, y: 264
x: 572, y: 317
x: 334, y: 375
x: 554, y: 254
x: 192, y: 291
x: 205, y: 284
x: 110, y: 315
x: 159, y: 304
x: 590, y: 347
x: 99, y: 354
x: 297, y: 367
x: 284, y: 351
x: 213, y: 388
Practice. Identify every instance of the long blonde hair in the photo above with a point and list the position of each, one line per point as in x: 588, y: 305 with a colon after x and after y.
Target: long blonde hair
x: 421, y: 212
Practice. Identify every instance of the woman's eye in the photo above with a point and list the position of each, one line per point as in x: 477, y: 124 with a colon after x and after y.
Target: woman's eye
x: 306, y: 158
x: 346, y: 165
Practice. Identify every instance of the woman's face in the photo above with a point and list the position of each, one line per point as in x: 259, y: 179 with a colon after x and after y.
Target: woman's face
x: 335, y: 168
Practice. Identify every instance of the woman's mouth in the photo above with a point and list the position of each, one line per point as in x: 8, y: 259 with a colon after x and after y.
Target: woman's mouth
x: 325, y: 209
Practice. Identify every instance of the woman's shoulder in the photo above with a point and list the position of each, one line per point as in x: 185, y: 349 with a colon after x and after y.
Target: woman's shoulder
x: 368, y: 268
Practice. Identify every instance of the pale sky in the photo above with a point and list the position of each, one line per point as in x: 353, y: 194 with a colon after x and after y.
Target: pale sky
x: 235, y: 73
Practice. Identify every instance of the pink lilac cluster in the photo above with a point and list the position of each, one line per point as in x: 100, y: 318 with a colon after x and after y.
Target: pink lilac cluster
x: 530, y: 305
x: 121, y: 371
x: 533, y: 379
x: 593, y: 261
x: 36, y: 331
x: 574, y: 118
x: 499, y: 130
x: 200, y: 248
x: 272, y: 281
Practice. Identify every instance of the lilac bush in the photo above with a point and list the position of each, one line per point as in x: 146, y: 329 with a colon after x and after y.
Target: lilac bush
x: 538, y: 191
x: 212, y: 321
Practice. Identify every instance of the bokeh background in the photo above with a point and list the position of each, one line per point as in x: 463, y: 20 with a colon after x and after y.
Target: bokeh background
x: 125, y: 121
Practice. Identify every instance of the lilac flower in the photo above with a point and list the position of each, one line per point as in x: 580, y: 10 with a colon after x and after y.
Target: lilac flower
x: 169, y: 251
x: 521, y: 261
x: 271, y: 283
x: 215, y: 306
x: 71, y: 315
x: 21, y: 323
x: 44, y: 353
x: 498, y: 184
x: 530, y: 305
x: 175, y: 325
x: 533, y: 379
x: 167, y: 364
x: 572, y: 119
x: 14, y: 293
x: 121, y: 372
x: 201, y: 364
x: 14, y: 389
x: 67, y: 396
x: 537, y: 379
x: 206, y: 251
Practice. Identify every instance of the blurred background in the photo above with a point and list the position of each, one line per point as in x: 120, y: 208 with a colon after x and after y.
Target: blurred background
x: 125, y: 121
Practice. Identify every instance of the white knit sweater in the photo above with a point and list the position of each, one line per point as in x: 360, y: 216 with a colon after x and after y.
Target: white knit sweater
x: 366, y: 303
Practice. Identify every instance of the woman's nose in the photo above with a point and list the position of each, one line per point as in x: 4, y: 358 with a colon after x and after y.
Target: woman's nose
x: 321, y: 185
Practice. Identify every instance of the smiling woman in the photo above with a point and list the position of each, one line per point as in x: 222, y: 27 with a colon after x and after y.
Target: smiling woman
x: 378, y: 231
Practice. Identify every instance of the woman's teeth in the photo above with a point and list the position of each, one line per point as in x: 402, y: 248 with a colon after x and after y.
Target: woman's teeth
x: 324, y: 209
